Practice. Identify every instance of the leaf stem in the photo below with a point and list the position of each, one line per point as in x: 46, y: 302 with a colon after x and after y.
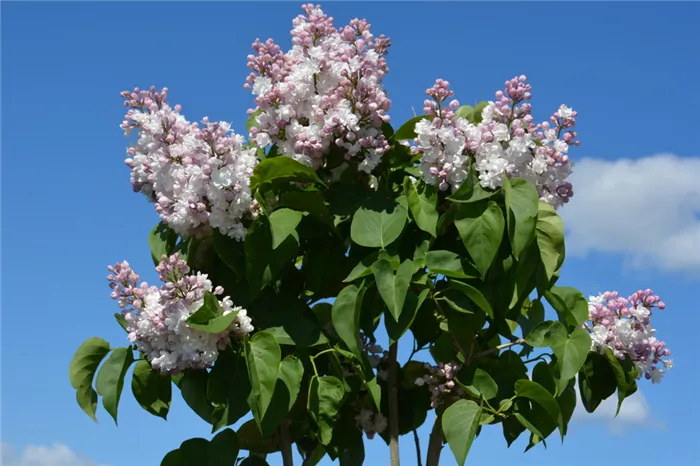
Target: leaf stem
x: 393, y: 405
x: 416, y: 440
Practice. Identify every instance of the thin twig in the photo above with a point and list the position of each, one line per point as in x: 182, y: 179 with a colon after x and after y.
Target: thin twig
x: 435, y: 443
x: 287, y: 458
x: 498, y: 348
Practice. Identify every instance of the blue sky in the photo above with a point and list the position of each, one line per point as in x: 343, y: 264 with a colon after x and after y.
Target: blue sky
x: 630, y: 70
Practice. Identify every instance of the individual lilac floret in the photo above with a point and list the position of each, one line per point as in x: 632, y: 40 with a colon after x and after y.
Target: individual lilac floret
x: 325, y: 93
x: 506, y: 141
x: 198, y: 177
x: 156, y: 317
x: 440, y: 381
x: 624, y: 326
x: 371, y: 422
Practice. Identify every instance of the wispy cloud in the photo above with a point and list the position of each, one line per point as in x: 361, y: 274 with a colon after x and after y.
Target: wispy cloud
x: 635, y: 412
x: 56, y: 454
x: 647, y: 209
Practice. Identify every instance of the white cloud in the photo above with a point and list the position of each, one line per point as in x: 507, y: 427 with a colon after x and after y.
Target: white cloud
x: 634, y: 412
x: 56, y: 454
x: 647, y: 209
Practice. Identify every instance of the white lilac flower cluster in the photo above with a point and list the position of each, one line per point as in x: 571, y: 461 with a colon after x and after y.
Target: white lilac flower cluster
x: 198, y: 177
x: 440, y: 381
x: 505, y: 143
x: 156, y: 317
x: 624, y: 326
x: 325, y: 93
x: 371, y: 422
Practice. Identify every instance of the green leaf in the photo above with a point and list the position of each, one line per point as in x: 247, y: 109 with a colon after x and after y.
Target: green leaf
x: 364, y: 267
x: 230, y: 251
x: 625, y: 374
x: 291, y: 373
x: 325, y: 398
x: 210, y: 309
x: 550, y: 238
x: 283, y: 223
x: 121, y: 320
x: 571, y: 351
x: 596, y: 381
x: 540, y: 395
x: 345, y: 316
x: 474, y: 115
x: 278, y: 170
x: 376, y: 392
x: 162, y: 241
x: 522, y: 202
x: 223, y: 449
x: 209, y: 317
x: 459, y: 424
x: 542, y: 374
x: 569, y: 303
x: 378, y: 222
x: 481, y: 225
x: 474, y: 295
x: 484, y: 385
x: 252, y: 121
x: 449, y: 264
x: 422, y: 200
x: 567, y: 404
x: 193, y: 388
x: 471, y: 191
x: 82, y: 372
x: 110, y: 379
x: 408, y: 130
x: 393, y: 287
x: 263, y: 356
x: 151, y: 390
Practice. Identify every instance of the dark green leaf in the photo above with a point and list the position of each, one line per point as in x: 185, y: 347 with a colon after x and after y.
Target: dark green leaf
x: 173, y: 458
x: 223, y: 449
x: 393, y: 287
x: 193, y: 387
x: 484, y: 385
x: 474, y: 295
x: 312, y: 202
x: 276, y: 170
x: 459, y: 424
x: 596, y: 381
x: 408, y: 130
x: 522, y: 202
x: 195, y: 452
x: 82, y: 372
x: 378, y: 222
x: 411, y: 305
x: 625, y: 374
x: 550, y: 238
x: 122, y: 321
x: 228, y: 387
x: 253, y: 461
x: 422, y: 200
x: 481, y: 226
x: 151, y: 389
x: 346, y: 317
